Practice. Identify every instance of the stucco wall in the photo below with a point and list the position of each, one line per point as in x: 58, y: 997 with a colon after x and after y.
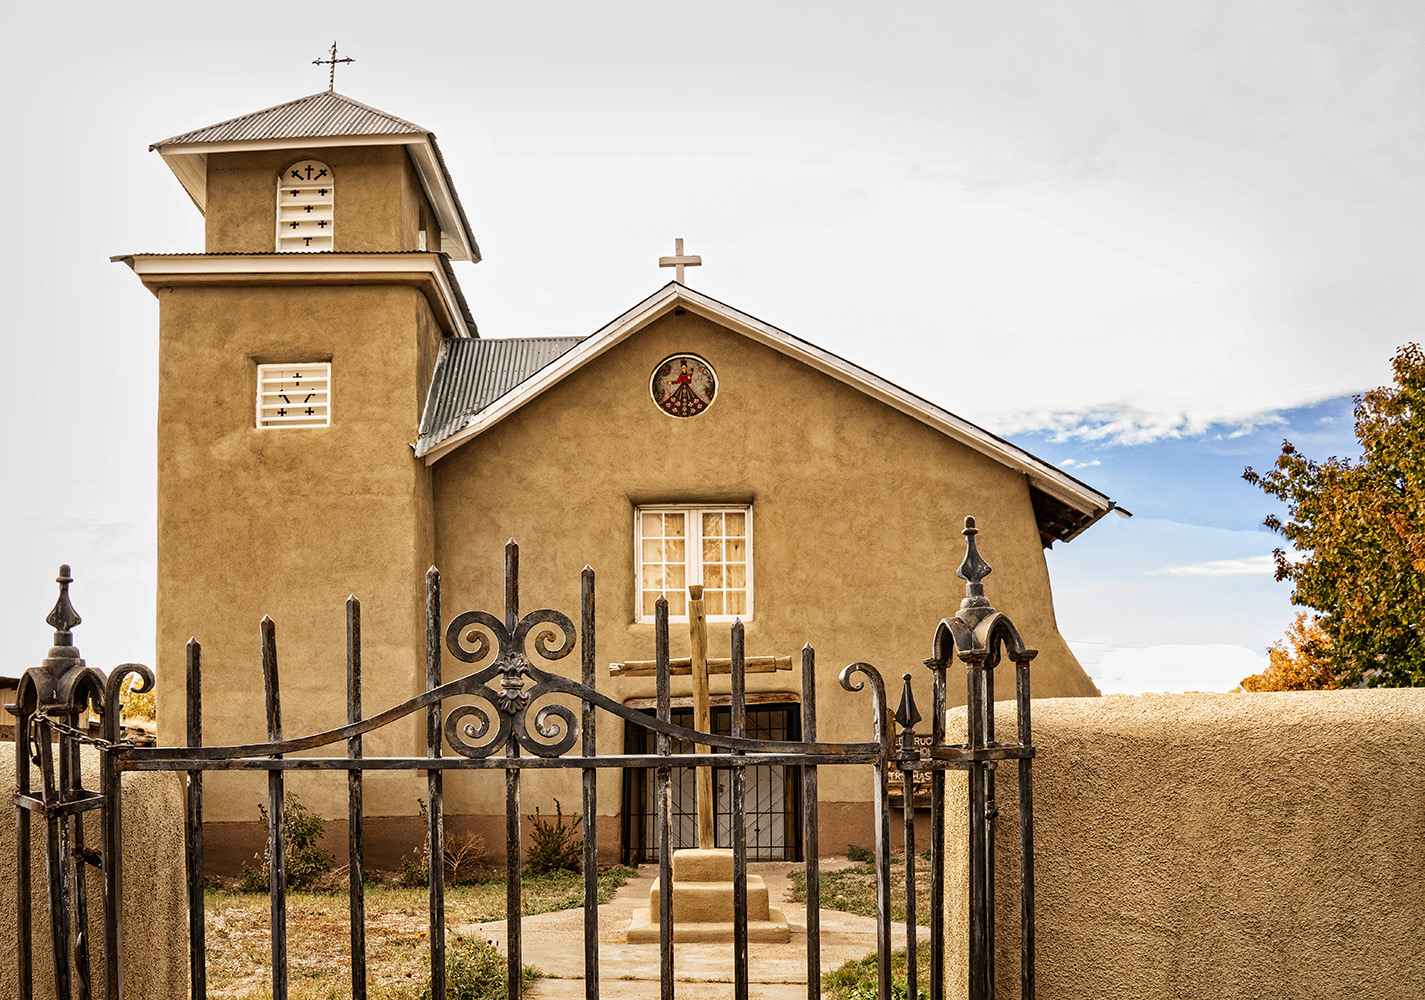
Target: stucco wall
x: 288, y: 523
x: 1215, y: 846
x: 378, y: 199
x: 857, y: 513
x: 155, y: 895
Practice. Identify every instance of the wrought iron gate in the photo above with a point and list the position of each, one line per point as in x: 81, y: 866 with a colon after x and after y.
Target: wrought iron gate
x: 773, y: 808
x: 516, y: 734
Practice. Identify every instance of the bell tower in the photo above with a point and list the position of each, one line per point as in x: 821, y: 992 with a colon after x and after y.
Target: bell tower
x: 295, y: 353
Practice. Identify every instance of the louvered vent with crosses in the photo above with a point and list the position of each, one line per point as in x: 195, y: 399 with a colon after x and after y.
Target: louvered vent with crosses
x: 305, y: 208
x: 294, y: 395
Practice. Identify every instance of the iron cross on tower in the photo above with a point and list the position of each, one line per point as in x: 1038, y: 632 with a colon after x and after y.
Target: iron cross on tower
x: 332, y: 61
x: 678, y: 261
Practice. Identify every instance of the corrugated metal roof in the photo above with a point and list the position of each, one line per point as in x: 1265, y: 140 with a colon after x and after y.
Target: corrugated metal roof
x: 322, y: 115
x: 472, y: 374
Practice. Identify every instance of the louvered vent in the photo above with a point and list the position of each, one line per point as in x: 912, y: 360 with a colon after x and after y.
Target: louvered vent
x: 304, y: 208
x: 294, y: 395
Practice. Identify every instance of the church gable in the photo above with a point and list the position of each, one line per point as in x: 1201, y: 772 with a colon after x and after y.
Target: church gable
x: 483, y: 386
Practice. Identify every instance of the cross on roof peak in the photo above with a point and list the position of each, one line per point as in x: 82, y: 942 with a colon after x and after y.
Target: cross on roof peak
x: 332, y: 61
x: 678, y: 261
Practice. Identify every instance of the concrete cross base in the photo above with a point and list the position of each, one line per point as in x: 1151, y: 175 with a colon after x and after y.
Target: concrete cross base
x: 702, y: 903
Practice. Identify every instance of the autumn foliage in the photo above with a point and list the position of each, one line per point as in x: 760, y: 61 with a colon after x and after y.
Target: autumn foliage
x: 1358, y: 528
x: 1304, y: 667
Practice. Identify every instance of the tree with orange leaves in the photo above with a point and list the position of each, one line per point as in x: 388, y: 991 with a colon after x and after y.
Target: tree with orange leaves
x: 1305, y: 667
x: 1359, y: 530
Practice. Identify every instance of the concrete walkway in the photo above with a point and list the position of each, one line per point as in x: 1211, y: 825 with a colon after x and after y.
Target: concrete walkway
x: 554, y: 943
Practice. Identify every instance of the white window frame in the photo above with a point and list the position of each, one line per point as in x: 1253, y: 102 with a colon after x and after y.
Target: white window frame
x: 306, y: 209
x: 693, y: 554
x: 273, y: 375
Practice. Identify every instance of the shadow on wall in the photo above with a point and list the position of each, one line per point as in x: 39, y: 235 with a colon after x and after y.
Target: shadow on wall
x: 1220, y: 845
x: 155, y: 896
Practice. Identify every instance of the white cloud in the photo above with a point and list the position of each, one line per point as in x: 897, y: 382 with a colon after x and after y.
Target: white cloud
x: 1167, y: 668
x: 1073, y: 463
x: 1126, y: 424
x: 1249, y: 566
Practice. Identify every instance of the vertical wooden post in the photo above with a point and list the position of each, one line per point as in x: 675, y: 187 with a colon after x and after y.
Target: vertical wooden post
x: 702, y: 713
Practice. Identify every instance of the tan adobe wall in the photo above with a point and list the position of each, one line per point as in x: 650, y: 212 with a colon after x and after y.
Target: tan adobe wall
x: 378, y: 199
x: 290, y: 522
x: 155, y: 909
x: 857, y: 512
x: 1214, y: 846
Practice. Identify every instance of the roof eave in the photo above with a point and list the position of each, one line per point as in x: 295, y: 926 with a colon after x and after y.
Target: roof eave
x: 1053, y: 482
x: 429, y: 270
x: 189, y: 163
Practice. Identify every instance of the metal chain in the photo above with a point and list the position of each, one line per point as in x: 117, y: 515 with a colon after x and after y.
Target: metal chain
x: 84, y: 737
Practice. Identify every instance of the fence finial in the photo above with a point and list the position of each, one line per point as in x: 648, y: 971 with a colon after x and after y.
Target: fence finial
x: 63, y: 655
x: 973, y: 570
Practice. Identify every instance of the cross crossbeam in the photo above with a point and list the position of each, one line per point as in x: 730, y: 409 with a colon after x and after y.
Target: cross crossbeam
x: 679, y: 261
x: 332, y: 61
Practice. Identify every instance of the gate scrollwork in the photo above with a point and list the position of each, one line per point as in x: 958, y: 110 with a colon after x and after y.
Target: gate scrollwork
x: 469, y: 638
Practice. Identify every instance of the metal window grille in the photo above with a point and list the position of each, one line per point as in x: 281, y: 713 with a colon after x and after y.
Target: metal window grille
x: 772, y: 806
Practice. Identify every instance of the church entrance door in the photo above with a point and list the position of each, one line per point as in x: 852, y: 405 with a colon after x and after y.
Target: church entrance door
x: 773, y: 804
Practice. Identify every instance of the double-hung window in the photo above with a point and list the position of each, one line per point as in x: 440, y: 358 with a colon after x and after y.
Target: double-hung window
x: 677, y: 546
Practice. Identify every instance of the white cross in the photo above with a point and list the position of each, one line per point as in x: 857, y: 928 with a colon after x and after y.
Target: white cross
x: 678, y: 261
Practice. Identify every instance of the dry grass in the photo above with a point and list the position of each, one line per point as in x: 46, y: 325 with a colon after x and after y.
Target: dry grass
x: 397, y: 941
x: 853, y: 889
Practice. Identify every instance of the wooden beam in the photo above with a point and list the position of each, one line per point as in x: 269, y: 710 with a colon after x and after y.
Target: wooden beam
x: 716, y: 665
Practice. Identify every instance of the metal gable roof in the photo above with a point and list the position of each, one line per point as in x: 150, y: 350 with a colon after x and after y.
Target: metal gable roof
x: 321, y: 118
x: 1064, y: 506
x: 323, y: 115
x: 471, y: 374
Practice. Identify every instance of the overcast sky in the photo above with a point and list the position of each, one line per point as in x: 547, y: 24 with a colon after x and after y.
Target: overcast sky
x: 1145, y: 240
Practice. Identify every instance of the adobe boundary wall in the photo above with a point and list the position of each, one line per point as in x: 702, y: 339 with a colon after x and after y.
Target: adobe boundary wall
x: 155, y: 910
x: 1212, y: 846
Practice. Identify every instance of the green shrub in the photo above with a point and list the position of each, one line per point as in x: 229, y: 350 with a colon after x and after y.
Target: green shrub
x: 856, y: 980
x: 475, y: 970
x: 554, y: 844
x: 854, y: 853
x: 303, y: 862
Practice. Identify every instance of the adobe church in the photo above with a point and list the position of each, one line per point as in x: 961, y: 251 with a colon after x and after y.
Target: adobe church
x: 331, y: 422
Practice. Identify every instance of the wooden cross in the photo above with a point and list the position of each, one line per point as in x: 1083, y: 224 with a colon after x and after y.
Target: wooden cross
x: 700, y: 665
x: 678, y: 261
x: 331, y: 81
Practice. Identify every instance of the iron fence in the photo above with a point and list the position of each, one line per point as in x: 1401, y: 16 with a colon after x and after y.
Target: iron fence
x: 511, y: 734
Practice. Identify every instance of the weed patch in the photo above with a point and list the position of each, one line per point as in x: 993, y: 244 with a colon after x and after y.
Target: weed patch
x: 853, y: 889
x: 856, y: 980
